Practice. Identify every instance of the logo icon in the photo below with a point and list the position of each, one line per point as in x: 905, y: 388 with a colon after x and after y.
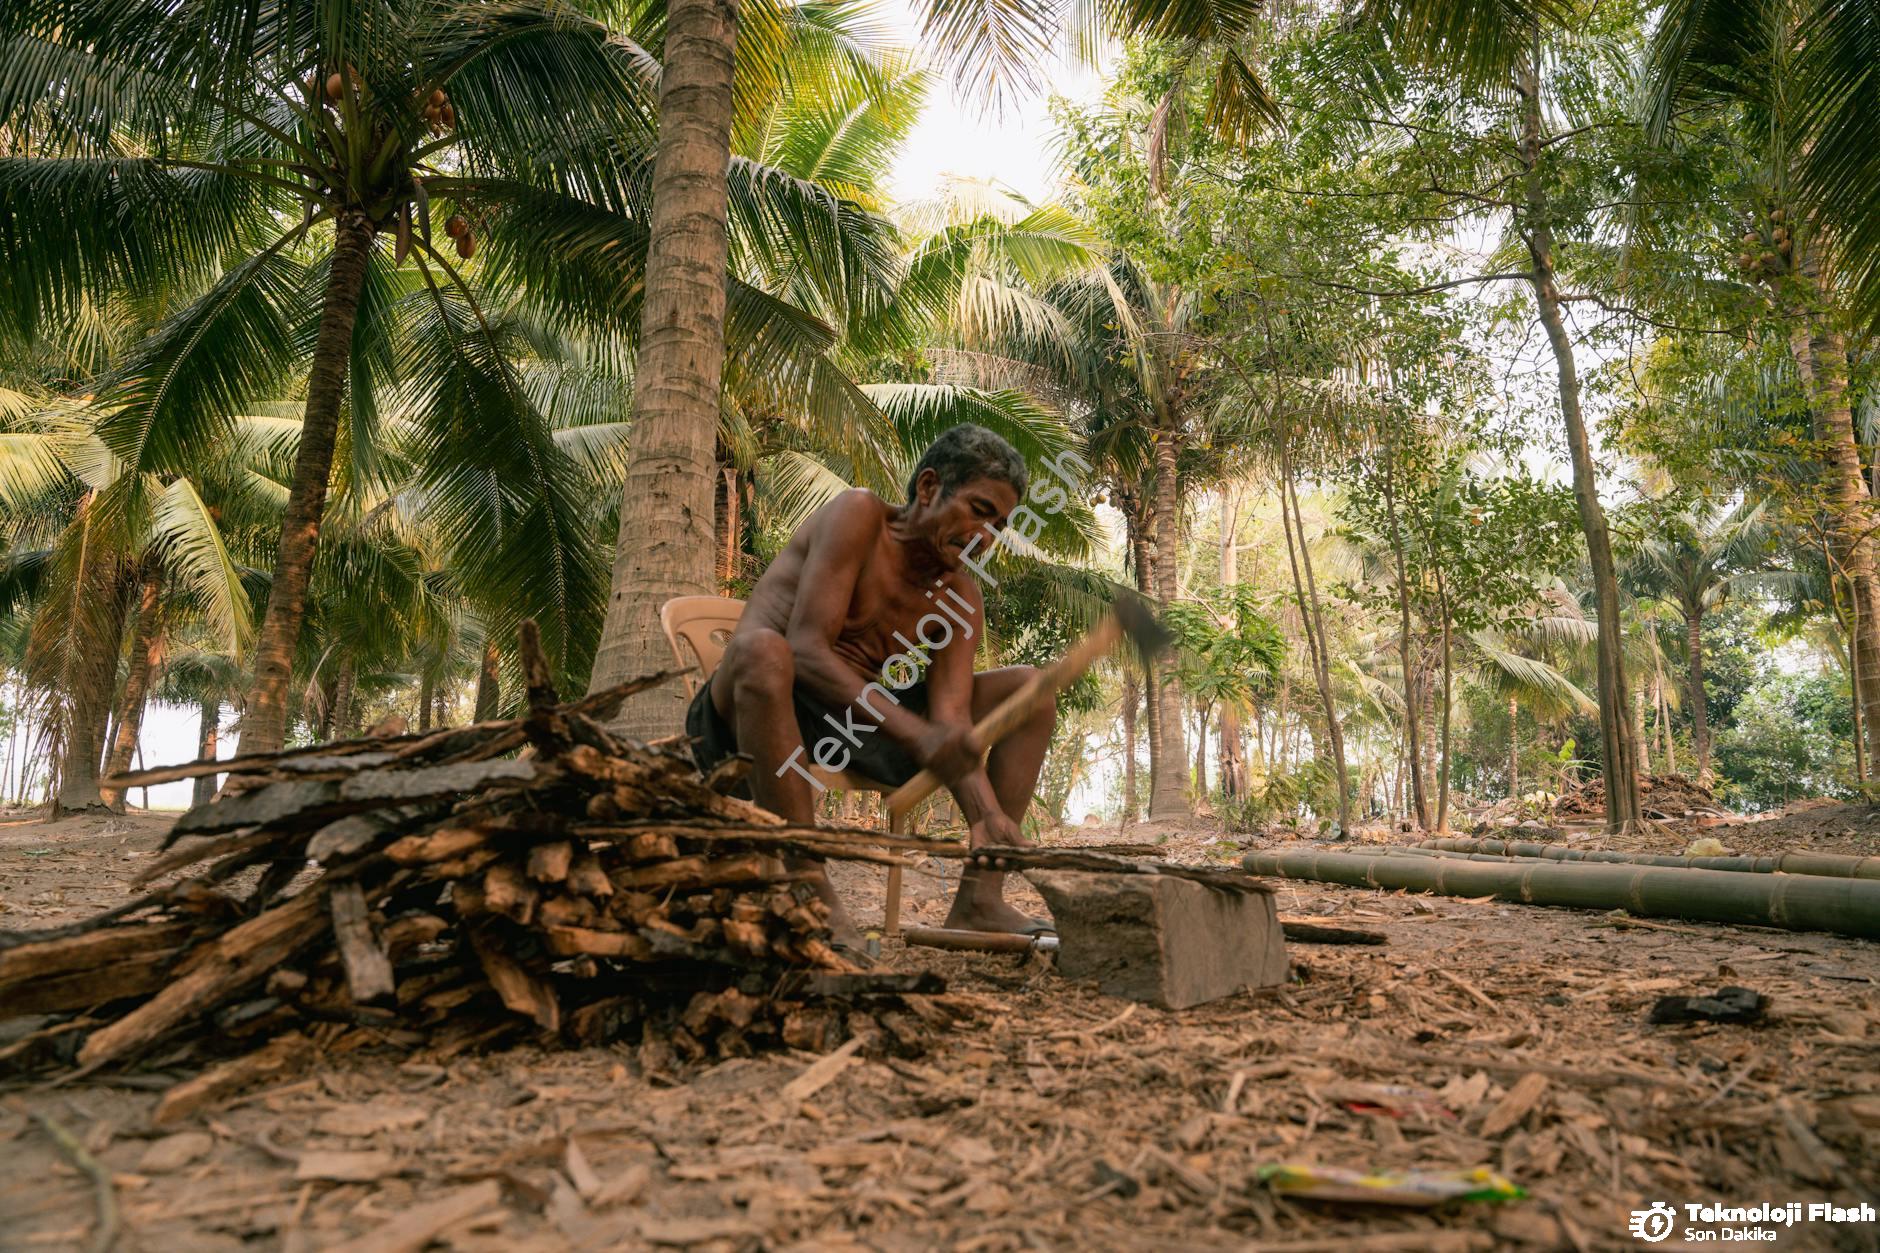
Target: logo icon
x: 1654, y: 1224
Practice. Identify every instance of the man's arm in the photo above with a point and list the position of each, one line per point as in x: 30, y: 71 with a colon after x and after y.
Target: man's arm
x: 950, y: 706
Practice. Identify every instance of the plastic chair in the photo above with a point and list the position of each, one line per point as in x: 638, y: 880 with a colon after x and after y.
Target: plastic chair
x: 698, y: 628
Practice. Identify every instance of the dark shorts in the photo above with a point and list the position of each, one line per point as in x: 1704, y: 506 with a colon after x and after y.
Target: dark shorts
x: 877, y: 756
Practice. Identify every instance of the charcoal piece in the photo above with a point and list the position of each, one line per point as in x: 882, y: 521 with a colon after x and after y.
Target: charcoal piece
x: 1732, y: 1004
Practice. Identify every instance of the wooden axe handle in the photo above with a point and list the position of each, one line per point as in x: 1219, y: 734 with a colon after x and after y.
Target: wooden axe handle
x: 1014, y: 710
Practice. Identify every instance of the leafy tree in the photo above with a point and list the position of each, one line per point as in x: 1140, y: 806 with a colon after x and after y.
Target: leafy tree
x: 1786, y: 79
x: 1788, y: 740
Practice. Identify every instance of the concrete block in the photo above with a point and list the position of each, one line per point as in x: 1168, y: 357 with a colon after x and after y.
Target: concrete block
x: 1170, y: 942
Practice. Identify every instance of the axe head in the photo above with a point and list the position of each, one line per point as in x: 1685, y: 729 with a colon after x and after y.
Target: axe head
x: 1140, y: 627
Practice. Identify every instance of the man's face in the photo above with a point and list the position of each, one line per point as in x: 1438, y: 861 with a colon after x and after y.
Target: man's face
x: 977, y: 509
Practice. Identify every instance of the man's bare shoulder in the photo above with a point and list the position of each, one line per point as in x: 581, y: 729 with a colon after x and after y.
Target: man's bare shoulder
x: 850, y: 515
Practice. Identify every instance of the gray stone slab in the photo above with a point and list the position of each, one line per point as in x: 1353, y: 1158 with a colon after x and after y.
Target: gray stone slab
x: 1169, y: 942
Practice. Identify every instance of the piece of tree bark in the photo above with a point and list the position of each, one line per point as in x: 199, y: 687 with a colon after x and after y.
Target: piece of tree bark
x: 417, y: 1227
x: 519, y: 990
x: 281, y: 1055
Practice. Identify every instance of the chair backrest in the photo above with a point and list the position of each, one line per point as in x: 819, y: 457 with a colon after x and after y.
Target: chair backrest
x: 699, y: 628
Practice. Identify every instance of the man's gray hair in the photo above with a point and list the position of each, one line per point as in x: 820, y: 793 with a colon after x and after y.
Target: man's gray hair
x: 967, y: 452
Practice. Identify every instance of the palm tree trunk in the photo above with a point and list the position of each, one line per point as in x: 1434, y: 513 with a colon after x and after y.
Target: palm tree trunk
x: 726, y: 508
x: 665, y: 543
x: 1232, y: 755
x: 1232, y: 758
x: 426, y: 687
x: 489, y: 685
x: 1514, y: 747
x: 1700, y: 704
x: 342, y: 728
x: 1201, y: 752
x: 264, y: 713
x: 208, y: 730
x: 16, y: 716
x: 1820, y: 353
x: 1638, y: 733
x: 1618, y: 761
x: 1140, y: 517
x: 1168, y: 793
x: 1413, y: 728
x: 1442, y: 770
x: 146, y: 648
x: 1671, y: 743
x: 1851, y: 658
x: 1132, y: 696
x: 94, y: 681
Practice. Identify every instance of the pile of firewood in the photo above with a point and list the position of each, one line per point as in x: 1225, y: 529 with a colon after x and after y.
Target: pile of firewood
x: 443, y: 891
x: 1664, y: 797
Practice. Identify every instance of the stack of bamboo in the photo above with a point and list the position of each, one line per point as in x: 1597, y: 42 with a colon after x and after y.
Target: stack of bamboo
x: 439, y: 890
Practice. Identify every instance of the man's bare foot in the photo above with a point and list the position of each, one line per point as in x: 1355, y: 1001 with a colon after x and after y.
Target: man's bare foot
x: 843, y: 932
x: 980, y: 906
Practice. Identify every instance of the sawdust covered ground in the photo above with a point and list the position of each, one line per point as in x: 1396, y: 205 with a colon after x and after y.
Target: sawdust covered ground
x: 1055, y: 1118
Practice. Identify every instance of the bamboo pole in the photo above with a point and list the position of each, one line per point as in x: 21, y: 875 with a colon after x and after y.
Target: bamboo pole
x: 1832, y: 865
x: 1792, y: 902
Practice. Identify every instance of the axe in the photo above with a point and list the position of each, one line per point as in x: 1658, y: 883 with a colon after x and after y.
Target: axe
x: 1129, y: 619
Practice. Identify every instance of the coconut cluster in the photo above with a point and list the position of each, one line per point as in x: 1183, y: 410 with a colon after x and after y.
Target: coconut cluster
x: 1768, y: 248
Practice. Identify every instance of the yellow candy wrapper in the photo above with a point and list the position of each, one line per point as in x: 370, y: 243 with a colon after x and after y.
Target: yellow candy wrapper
x: 1417, y: 1189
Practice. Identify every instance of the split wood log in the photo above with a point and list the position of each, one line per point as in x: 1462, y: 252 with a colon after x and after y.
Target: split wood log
x: 82, y: 954
x: 239, y: 959
x: 1792, y: 902
x: 1314, y: 933
x: 138, y: 973
x: 368, y: 967
x: 520, y: 990
x: 574, y: 941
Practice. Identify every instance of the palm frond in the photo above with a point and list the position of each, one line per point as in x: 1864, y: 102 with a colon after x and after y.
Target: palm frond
x: 1534, y: 682
x: 176, y: 393
x: 921, y: 412
x: 187, y: 538
x: 80, y: 228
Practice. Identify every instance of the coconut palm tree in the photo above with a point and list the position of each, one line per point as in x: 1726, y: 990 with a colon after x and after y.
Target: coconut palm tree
x: 1808, y: 65
x: 1692, y: 560
x: 106, y: 547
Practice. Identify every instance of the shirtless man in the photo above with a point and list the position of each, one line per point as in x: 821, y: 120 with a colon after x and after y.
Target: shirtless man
x: 817, y: 668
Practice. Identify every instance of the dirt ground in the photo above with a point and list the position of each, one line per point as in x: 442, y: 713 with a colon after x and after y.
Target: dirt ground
x: 1484, y: 1035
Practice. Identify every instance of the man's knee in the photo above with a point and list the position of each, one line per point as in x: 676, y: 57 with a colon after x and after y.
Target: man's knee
x: 761, y: 661
x: 1044, y: 713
